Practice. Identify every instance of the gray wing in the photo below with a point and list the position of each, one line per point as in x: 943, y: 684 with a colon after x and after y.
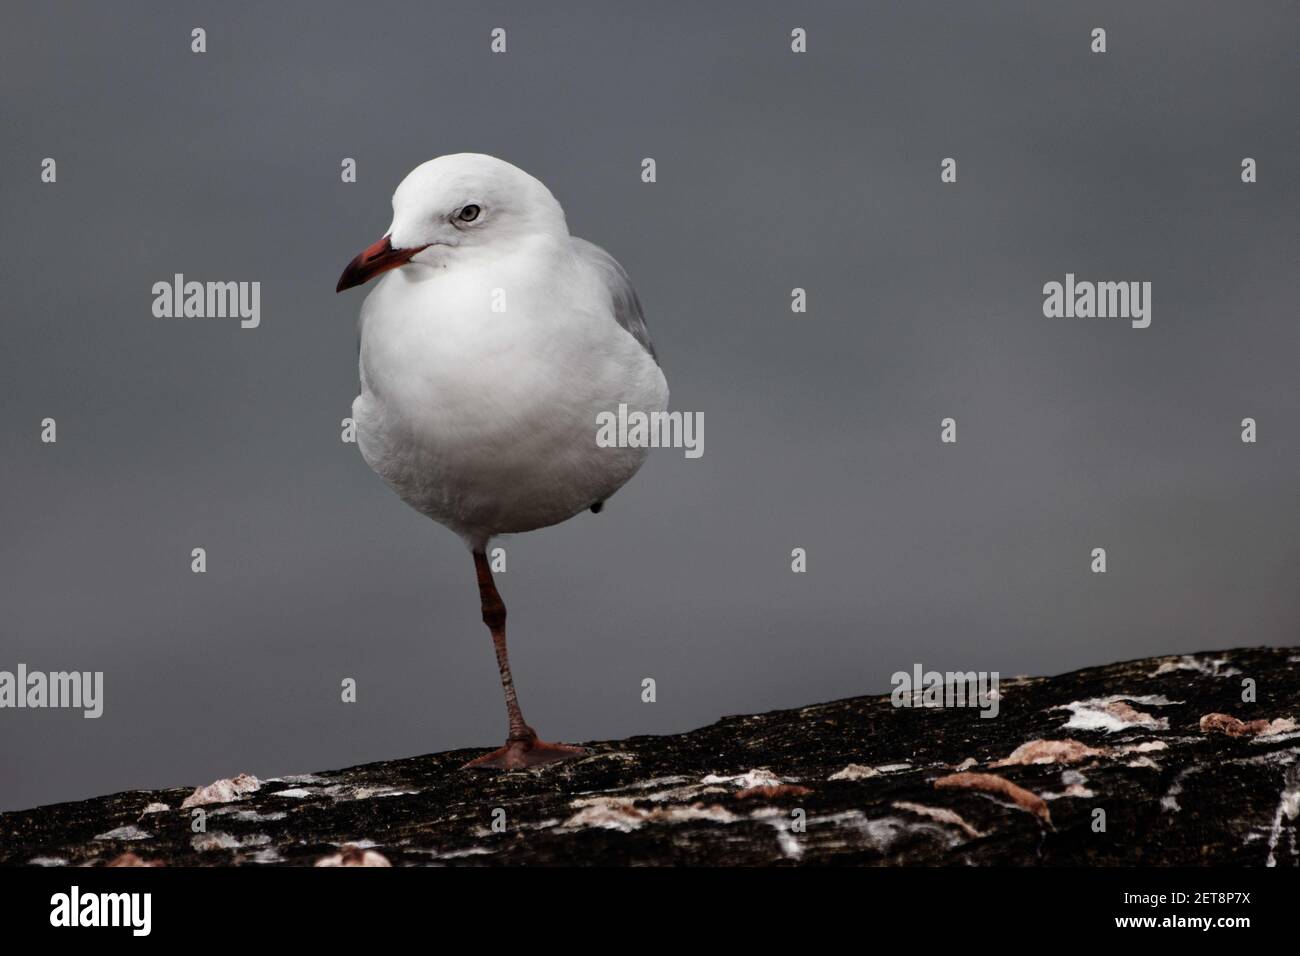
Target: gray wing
x: 627, y: 307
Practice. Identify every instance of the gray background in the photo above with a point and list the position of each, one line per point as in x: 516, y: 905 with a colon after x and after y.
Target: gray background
x: 775, y: 171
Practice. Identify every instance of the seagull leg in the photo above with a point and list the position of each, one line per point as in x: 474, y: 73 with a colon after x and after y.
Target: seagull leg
x: 523, y: 748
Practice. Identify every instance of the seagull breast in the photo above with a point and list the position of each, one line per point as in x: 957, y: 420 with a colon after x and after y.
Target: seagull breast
x: 482, y: 383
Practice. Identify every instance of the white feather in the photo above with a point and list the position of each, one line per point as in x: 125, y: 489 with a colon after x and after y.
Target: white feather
x: 486, y: 420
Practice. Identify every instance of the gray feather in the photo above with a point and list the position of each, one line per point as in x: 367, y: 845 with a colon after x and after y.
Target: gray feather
x: 627, y: 307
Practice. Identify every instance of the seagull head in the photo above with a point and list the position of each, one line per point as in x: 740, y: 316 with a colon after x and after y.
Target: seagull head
x: 454, y: 206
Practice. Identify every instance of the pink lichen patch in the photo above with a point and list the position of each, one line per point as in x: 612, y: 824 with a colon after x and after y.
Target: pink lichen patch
x: 352, y: 855
x: 774, y: 790
x: 991, y: 783
x: 940, y: 815
x: 1233, y: 727
x: 620, y: 813
x: 222, y: 791
x: 1049, y: 751
x: 612, y: 815
x: 1126, y: 713
x: 130, y: 859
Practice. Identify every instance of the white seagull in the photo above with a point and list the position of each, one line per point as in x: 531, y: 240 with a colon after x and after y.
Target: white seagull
x: 487, y: 352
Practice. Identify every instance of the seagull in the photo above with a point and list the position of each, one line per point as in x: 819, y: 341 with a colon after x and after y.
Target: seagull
x: 489, y: 348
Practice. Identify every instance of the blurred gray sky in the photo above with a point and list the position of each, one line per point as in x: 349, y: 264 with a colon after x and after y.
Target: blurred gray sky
x: 775, y: 170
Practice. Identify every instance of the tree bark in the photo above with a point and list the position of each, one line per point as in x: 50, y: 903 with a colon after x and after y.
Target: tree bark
x: 1151, y: 762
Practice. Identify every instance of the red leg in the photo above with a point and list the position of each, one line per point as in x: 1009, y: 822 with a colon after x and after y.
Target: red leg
x: 522, y: 748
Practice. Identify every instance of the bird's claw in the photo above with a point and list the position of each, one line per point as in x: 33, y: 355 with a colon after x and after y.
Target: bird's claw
x: 518, y: 754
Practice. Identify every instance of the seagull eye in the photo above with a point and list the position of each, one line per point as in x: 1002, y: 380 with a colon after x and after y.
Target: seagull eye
x: 468, y: 213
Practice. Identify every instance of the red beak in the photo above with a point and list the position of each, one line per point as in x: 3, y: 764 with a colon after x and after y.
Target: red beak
x: 374, y: 259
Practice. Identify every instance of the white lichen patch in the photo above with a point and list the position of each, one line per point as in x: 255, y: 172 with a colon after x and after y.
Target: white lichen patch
x: 786, y: 839
x: 1281, y: 728
x: 677, y: 788
x: 855, y: 771
x: 349, y: 792
x: 1277, y: 737
x: 1274, y: 758
x: 130, y: 832
x: 880, y: 833
x: 760, y: 777
x: 1288, y: 808
x: 621, y: 813
x: 468, y: 851
x: 682, y: 794
x: 621, y: 756
x: 939, y: 815
x: 1210, y: 667
x: 788, y: 842
x: 222, y: 791
x: 300, y: 779
x: 486, y: 833
x: 1142, y: 747
x: 1169, y: 802
x: 1073, y: 790
x: 1076, y: 786
x: 654, y: 783
x: 1115, y: 713
x: 296, y: 793
x: 609, y: 816
x: 247, y: 816
x: 438, y: 854
x: 154, y: 808
x: 205, y: 842
x: 47, y: 861
x: 894, y: 767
